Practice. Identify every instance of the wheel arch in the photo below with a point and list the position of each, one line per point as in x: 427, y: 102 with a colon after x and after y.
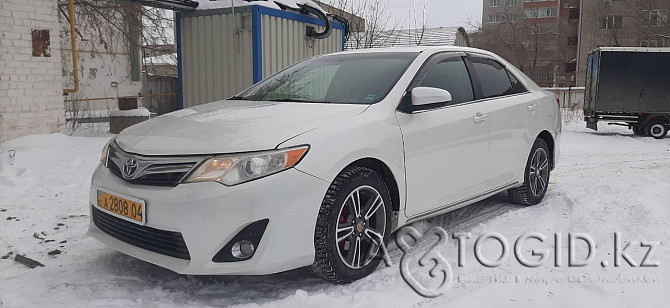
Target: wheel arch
x: 549, y: 139
x: 662, y: 117
x: 385, y: 172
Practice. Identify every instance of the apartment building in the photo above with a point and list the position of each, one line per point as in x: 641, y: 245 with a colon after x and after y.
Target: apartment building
x: 621, y: 23
x: 540, y: 37
x: 549, y: 40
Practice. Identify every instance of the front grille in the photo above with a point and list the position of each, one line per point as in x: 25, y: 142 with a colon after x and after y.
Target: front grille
x: 152, y: 171
x: 164, y: 242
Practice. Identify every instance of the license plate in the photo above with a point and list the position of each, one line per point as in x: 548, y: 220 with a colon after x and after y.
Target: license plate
x: 125, y: 207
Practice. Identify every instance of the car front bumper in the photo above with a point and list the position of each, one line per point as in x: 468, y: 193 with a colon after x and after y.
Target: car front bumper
x: 209, y: 215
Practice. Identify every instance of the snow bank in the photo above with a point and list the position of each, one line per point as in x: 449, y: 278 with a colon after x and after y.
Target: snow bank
x: 218, y: 4
x: 139, y: 112
x: 294, y: 4
x: 607, y: 181
x: 87, y: 114
x: 104, y: 113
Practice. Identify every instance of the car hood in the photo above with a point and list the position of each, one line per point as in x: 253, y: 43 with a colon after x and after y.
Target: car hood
x: 230, y: 127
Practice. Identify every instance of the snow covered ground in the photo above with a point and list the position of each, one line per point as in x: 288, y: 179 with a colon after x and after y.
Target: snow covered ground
x: 607, y: 181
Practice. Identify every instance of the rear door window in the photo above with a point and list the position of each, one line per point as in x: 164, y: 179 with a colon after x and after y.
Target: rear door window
x: 493, y: 77
x: 517, y: 87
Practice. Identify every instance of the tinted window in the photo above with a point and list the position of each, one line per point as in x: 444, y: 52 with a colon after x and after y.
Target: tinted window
x: 451, y: 75
x: 493, y: 77
x: 517, y: 87
x: 347, y: 78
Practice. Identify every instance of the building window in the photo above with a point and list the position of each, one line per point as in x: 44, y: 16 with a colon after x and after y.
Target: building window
x: 543, y: 78
x: 573, y: 40
x: 41, y: 43
x: 653, y: 43
x: 610, y: 22
x: 513, y: 2
x: 495, y: 18
x: 546, y: 77
x: 543, y: 12
x: 655, y: 18
x: 494, y: 3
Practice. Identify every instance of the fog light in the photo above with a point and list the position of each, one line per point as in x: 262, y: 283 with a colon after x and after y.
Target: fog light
x: 243, y: 245
x: 243, y: 249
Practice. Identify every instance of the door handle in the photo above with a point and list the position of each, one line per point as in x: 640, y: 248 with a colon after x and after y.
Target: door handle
x: 480, y: 118
x: 532, y: 108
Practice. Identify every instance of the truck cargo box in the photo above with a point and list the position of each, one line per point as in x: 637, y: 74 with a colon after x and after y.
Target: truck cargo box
x: 628, y: 80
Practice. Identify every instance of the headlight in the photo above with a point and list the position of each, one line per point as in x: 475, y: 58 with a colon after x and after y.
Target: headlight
x: 105, y: 152
x: 231, y: 170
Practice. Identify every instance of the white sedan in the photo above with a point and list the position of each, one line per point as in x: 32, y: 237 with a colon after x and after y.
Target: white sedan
x: 318, y: 164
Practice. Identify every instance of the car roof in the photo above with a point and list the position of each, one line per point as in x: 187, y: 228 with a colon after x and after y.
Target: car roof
x: 418, y: 49
x: 435, y: 49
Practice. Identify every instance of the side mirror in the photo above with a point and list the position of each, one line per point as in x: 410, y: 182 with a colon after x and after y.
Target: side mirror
x: 425, y: 96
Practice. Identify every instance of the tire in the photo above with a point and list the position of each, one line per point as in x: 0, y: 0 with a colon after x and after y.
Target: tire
x: 335, y: 260
x: 657, y: 129
x: 639, y: 130
x: 535, y: 182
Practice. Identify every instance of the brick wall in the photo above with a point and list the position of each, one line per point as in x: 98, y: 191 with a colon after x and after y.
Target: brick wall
x: 31, y: 87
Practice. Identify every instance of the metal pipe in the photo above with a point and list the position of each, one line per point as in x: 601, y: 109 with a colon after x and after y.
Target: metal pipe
x: 232, y: 5
x: 75, y: 65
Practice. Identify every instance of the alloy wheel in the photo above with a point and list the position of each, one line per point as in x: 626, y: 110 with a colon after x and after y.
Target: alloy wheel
x: 360, y: 227
x: 539, y: 172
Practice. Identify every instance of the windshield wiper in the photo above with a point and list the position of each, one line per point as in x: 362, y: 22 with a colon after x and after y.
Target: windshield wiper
x: 238, y: 98
x: 296, y: 100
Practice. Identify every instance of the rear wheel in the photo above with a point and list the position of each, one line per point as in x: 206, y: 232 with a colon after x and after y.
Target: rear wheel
x: 536, y: 176
x: 657, y: 129
x: 352, y: 226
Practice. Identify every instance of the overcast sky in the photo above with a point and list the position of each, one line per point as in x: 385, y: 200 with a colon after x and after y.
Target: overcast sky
x: 439, y: 13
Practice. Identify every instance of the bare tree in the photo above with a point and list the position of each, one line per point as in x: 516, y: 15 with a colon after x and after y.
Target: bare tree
x: 105, y: 23
x: 375, y: 22
x: 108, y: 31
x: 547, y: 52
x: 514, y: 38
x: 653, y: 20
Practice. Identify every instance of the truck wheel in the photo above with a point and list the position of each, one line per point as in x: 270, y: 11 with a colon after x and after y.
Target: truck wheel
x: 639, y: 130
x: 657, y: 129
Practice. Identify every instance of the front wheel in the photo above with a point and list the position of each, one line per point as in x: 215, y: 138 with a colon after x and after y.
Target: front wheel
x: 536, y: 176
x: 352, y: 226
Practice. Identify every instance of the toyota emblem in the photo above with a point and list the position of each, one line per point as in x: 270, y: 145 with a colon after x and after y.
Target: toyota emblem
x: 130, y: 167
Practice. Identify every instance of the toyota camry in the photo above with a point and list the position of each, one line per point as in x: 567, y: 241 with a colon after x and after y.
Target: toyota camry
x: 318, y: 164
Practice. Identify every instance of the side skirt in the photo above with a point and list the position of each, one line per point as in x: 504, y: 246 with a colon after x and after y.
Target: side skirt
x: 460, y: 204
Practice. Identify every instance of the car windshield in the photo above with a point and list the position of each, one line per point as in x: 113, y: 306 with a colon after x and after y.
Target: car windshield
x: 339, y: 79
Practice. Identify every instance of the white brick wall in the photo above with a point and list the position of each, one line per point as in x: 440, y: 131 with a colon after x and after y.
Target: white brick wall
x: 31, y: 88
